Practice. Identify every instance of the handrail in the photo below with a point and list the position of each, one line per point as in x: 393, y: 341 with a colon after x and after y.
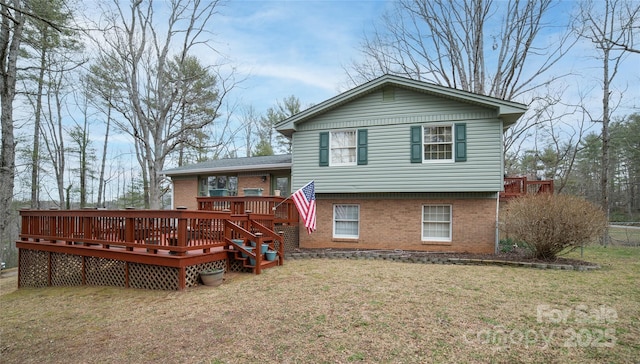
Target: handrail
x: 179, y: 231
x: 273, y: 235
x: 520, y: 186
x: 282, y: 210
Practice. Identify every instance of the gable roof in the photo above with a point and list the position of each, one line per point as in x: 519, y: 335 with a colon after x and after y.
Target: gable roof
x: 508, y: 111
x: 270, y: 162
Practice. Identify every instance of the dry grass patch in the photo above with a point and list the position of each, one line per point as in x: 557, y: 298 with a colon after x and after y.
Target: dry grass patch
x: 336, y: 311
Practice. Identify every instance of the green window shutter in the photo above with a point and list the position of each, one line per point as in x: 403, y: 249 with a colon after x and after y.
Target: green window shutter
x: 324, y: 149
x: 362, y: 146
x: 416, y: 144
x: 461, y: 142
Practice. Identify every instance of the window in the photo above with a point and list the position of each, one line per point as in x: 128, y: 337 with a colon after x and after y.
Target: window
x: 343, y: 147
x: 346, y: 221
x: 282, y: 185
x: 439, y: 143
x: 218, y: 186
x: 436, y: 223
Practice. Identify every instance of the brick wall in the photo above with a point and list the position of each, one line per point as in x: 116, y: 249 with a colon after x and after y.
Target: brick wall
x: 185, y: 191
x: 397, y: 224
x: 253, y: 182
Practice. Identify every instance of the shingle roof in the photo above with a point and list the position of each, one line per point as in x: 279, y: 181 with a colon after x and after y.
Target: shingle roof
x: 270, y: 162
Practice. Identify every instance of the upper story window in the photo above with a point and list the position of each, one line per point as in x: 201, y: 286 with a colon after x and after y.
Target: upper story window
x: 343, y: 147
x: 438, y: 143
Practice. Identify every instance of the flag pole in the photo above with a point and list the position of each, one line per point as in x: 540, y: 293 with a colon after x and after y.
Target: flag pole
x: 281, y: 202
x: 288, y: 197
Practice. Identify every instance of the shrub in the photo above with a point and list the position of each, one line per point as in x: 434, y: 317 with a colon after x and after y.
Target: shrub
x: 551, y: 224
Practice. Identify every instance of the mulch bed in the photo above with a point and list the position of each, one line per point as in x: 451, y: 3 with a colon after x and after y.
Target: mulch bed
x: 516, y: 255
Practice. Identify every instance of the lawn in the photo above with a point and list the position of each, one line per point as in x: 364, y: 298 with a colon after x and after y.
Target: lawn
x: 340, y: 311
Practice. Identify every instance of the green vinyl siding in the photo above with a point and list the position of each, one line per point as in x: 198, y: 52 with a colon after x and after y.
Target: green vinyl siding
x: 389, y: 151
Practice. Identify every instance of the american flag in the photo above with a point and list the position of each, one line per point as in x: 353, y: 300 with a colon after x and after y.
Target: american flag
x: 305, y: 200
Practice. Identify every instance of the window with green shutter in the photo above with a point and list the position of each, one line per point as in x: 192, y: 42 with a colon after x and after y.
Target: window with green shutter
x: 324, y: 149
x: 439, y: 143
x: 344, y: 148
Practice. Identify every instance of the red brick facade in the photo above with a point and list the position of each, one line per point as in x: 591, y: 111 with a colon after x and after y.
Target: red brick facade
x: 254, y: 182
x: 397, y: 224
x: 185, y: 191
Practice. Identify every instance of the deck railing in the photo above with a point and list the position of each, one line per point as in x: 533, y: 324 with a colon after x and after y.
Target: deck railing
x: 180, y: 232
x: 283, y: 210
x: 520, y: 186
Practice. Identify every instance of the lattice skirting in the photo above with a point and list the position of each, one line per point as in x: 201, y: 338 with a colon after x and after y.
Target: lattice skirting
x: 34, y: 268
x: 291, y: 241
x: 237, y: 266
x: 42, y: 269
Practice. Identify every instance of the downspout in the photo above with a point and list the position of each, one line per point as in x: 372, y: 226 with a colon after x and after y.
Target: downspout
x: 497, y: 247
x: 497, y: 233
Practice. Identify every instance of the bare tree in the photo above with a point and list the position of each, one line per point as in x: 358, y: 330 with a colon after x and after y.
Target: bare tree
x: 143, y: 50
x: 10, y: 39
x: 100, y: 96
x: 482, y: 46
x: 250, y: 122
x: 606, y: 28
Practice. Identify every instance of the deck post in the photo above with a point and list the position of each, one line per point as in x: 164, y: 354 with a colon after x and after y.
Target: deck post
x: 182, y: 278
x: 281, y: 248
x: 129, y: 231
x: 258, y: 251
x: 182, y: 234
x: 86, y: 228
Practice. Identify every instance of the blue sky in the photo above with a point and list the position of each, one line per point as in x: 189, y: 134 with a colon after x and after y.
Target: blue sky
x: 301, y: 47
x: 292, y: 47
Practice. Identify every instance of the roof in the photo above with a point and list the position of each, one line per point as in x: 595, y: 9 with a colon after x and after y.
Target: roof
x: 508, y: 111
x: 262, y: 163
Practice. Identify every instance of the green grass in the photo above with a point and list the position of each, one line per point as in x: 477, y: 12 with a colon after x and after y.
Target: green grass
x: 328, y: 311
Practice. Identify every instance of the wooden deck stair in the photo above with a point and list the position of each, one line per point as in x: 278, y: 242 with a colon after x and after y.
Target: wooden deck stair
x: 239, y: 252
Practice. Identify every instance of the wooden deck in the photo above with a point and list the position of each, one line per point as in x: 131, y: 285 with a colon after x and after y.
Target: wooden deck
x: 161, y: 249
x: 520, y: 186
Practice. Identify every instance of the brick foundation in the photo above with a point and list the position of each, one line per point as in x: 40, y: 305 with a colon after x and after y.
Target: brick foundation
x: 397, y: 224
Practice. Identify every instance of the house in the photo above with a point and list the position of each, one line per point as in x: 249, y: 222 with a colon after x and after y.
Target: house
x: 397, y: 164
x: 265, y: 176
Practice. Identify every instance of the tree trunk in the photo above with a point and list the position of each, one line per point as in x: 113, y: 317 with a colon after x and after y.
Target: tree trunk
x: 10, y: 38
x: 35, y: 153
x: 101, y: 182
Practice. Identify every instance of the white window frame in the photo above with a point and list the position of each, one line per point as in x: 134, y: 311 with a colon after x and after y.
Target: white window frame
x: 357, y: 221
x: 424, y: 221
x: 353, y: 147
x: 451, y: 143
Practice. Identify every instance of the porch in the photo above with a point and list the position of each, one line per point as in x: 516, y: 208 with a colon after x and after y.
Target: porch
x: 520, y: 186
x: 152, y: 249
